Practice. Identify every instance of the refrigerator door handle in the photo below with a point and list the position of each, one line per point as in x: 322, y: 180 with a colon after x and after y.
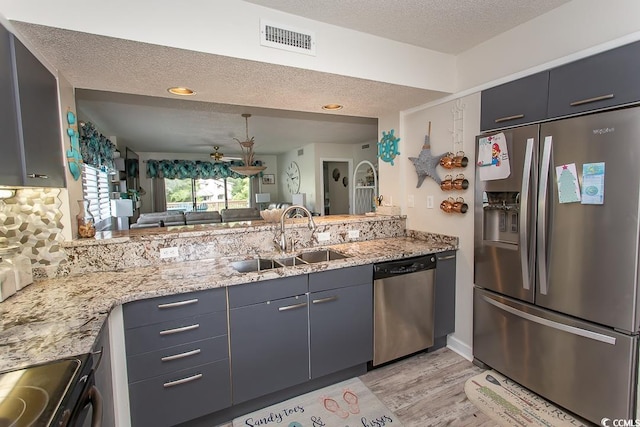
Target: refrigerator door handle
x: 552, y: 324
x: 524, y: 208
x: 542, y: 215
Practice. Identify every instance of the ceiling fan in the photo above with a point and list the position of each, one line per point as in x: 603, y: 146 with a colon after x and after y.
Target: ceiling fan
x: 217, y: 156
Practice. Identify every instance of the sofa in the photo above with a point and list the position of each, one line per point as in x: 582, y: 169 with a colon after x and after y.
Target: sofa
x: 173, y: 218
x: 240, y: 214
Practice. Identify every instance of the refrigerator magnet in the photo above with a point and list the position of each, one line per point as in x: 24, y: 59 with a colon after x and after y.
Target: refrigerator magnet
x: 568, y: 187
x: 593, y: 183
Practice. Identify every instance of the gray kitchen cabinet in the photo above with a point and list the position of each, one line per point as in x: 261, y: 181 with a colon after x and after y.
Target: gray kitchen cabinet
x: 102, y: 376
x: 600, y: 81
x: 445, y: 302
x: 11, y: 160
x: 341, y: 328
x: 269, y: 341
x: 177, y: 357
x: 38, y: 117
x: 514, y: 103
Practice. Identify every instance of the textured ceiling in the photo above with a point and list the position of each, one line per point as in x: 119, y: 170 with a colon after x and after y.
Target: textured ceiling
x: 125, y: 81
x: 449, y: 26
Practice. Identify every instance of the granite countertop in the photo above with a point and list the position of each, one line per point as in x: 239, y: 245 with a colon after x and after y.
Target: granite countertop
x: 61, y: 317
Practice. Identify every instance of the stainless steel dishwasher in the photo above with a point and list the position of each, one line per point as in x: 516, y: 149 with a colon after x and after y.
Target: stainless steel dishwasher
x: 403, y: 313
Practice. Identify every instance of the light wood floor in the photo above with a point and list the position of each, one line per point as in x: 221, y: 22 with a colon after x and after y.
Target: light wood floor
x: 427, y: 390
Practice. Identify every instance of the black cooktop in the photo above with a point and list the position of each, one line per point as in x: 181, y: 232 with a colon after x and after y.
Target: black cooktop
x: 31, y: 396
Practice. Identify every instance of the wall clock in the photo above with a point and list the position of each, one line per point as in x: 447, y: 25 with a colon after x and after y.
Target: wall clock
x: 293, y: 178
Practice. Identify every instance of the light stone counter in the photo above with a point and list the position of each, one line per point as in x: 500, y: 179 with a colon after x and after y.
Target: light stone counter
x: 62, y: 316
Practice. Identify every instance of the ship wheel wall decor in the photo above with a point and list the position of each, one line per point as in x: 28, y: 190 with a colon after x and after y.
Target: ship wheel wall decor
x: 388, y: 147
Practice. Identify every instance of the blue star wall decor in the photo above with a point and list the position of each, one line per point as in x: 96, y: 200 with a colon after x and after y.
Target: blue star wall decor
x: 388, y: 147
x: 426, y: 163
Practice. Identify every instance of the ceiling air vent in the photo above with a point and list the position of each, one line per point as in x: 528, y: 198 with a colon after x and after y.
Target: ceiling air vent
x: 287, y: 38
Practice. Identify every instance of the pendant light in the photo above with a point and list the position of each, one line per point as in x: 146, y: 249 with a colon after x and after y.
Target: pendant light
x: 247, y: 154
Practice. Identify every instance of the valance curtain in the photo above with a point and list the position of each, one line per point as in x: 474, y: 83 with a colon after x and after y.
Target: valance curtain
x: 96, y: 149
x: 195, y: 169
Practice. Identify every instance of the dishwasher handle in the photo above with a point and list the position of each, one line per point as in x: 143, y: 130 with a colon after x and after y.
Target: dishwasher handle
x: 404, y: 266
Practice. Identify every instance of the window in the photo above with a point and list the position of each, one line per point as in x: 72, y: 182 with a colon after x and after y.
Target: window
x: 95, y: 189
x: 207, y: 194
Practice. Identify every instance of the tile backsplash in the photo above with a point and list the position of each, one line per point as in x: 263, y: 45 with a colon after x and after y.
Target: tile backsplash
x: 31, y: 219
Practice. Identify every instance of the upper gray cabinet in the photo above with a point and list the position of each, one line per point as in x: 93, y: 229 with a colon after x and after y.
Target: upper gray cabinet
x: 515, y: 103
x: 608, y: 79
x: 11, y: 159
x: 29, y: 119
x: 36, y: 100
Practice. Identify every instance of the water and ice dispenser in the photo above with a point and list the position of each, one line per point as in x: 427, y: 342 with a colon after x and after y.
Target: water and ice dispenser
x: 501, y: 217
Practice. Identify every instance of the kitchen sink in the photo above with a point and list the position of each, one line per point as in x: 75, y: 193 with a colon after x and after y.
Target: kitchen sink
x: 251, y: 265
x: 321, y: 256
x: 291, y: 261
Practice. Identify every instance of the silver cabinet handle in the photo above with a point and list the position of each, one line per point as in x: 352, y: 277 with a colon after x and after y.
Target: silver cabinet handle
x: 178, y: 330
x: 524, y: 213
x: 328, y: 299
x: 590, y: 100
x: 37, y: 175
x: 183, y: 380
x: 542, y: 215
x: 506, y: 119
x: 292, y: 307
x: 178, y: 303
x: 444, y: 258
x: 181, y: 355
x: 550, y: 323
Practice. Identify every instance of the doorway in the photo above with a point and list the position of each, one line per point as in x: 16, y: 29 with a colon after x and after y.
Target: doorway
x: 336, y: 184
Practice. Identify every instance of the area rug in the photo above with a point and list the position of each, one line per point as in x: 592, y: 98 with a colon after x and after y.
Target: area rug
x: 510, y: 404
x: 346, y: 404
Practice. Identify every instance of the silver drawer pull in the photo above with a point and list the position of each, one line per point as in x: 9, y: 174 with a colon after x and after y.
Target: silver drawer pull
x: 506, y: 119
x: 178, y: 330
x: 292, y: 307
x: 328, y: 299
x: 178, y: 304
x: 181, y: 355
x: 446, y: 257
x: 183, y: 380
x: 590, y: 100
x: 37, y: 175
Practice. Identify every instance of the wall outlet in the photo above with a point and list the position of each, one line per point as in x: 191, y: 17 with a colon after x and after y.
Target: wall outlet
x: 429, y: 202
x: 324, y: 237
x: 354, y: 234
x: 171, y: 252
x: 411, y: 201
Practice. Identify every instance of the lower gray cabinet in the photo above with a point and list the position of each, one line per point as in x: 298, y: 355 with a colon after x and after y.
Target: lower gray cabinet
x: 445, y: 306
x: 341, y: 328
x: 269, y: 346
x: 175, y: 397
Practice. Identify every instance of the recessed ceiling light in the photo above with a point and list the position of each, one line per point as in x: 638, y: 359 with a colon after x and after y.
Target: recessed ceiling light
x: 184, y: 91
x: 332, y: 107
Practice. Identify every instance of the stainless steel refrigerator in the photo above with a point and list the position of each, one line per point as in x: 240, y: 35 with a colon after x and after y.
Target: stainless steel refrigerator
x: 556, y: 281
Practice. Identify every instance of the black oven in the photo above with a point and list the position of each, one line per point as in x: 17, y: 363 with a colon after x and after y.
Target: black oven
x: 61, y: 393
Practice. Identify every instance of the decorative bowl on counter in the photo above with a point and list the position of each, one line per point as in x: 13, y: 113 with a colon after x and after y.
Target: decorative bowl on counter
x: 271, y: 215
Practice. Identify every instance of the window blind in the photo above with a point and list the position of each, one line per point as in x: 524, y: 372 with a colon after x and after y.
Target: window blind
x: 95, y: 188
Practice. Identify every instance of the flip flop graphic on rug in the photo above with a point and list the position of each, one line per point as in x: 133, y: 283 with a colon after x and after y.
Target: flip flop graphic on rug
x: 333, y: 407
x: 492, y: 380
x: 352, y: 399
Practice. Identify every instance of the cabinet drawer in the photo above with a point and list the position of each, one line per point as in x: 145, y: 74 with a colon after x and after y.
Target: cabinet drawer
x: 180, y: 396
x: 175, y: 332
x: 600, y: 81
x: 515, y: 103
x: 149, y: 311
x: 147, y: 365
x: 340, y: 278
x: 269, y: 290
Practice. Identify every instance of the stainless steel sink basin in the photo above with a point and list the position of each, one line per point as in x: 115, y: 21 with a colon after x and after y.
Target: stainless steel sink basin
x: 321, y: 256
x: 250, y: 265
x: 291, y: 261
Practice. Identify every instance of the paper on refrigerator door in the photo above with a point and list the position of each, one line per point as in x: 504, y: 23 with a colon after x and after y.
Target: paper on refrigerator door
x: 567, y: 180
x: 593, y: 183
x: 493, y: 158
